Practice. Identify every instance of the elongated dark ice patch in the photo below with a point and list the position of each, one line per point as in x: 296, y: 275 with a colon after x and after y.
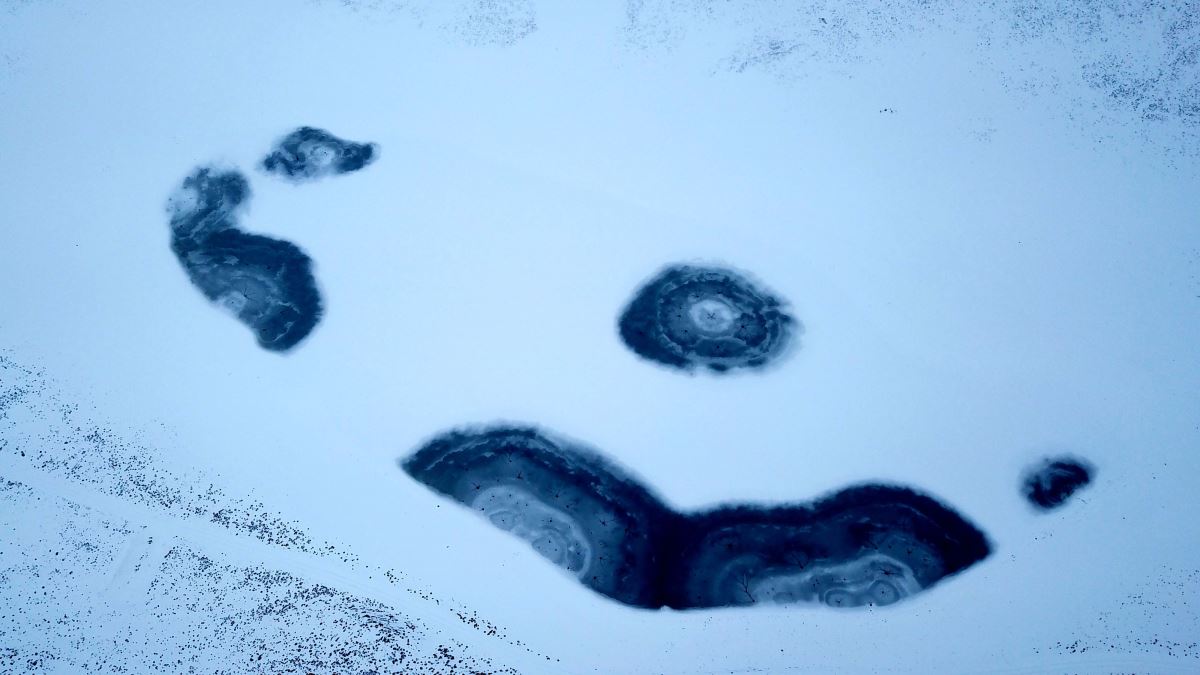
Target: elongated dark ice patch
x: 309, y: 153
x: 869, y: 545
x: 688, y: 317
x: 574, y: 508
x: 866, y: 545
x: 267, y: 283
x: 1050, y: 483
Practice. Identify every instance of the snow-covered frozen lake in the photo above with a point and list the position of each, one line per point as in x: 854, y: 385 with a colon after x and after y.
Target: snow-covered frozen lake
x: 984, y: 223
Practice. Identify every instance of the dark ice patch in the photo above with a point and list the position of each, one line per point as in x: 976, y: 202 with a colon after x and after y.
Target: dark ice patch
x: 267, y: 283
x: 308, y: 154
x: 1050, y: 483
x: 863, y: 546
x: 688, y: 316
x: 207, y: 203
x: 572, y: 507
x: 869, y: 545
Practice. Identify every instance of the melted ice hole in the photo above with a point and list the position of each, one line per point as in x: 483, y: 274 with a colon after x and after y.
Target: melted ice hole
x: 233, y: 302
x: 870, y: 580
x: 712, y: 315
x: 549, y: 531
x: 319, y: 156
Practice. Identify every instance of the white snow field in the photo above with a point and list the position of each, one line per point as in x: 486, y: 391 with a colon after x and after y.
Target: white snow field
x: 985, y: 215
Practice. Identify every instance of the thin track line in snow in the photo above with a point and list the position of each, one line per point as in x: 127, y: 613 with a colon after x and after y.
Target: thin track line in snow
x: 155, y: 532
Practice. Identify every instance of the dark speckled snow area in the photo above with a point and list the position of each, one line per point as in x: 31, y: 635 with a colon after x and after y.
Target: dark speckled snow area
x: 83, y: 592
x: 183, y: 575
x: 1126, y: 62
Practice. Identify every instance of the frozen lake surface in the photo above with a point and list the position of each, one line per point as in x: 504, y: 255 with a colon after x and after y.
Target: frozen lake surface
x: 637, y: 337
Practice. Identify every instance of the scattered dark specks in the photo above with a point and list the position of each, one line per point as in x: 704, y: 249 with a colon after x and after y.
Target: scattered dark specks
x: 689, y: 316
x: 1129, y: 63
x: 197, y: 613
x: 67, y: 444
x: 478, y: 23
x: 308, y: 154
x: 500, y: 23
x: 863, y: 546
x: 1158, y: 618
x: 1050, y: 483
x: 762, y: 53
x: 64, y: 442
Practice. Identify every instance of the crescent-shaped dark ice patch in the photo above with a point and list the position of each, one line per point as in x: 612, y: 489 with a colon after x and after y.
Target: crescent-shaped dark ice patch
x: 574, y: 508
x: 688, y: 317
x: 869, y: 545
x: 308, y: 153
x: 1050, y: 483
x: 267, y: 283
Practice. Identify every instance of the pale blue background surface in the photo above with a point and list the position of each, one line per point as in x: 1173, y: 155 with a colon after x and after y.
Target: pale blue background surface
x: 992, y: 258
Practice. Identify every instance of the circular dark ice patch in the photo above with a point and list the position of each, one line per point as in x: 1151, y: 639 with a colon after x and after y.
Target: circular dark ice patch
x: 689, y: 316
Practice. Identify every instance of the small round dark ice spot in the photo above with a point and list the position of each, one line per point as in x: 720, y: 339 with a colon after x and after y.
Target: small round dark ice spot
x: 1049, y: 484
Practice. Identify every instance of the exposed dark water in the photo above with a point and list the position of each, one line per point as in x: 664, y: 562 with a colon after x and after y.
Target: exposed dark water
x: 688, y: 317
x: 866, y: 545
